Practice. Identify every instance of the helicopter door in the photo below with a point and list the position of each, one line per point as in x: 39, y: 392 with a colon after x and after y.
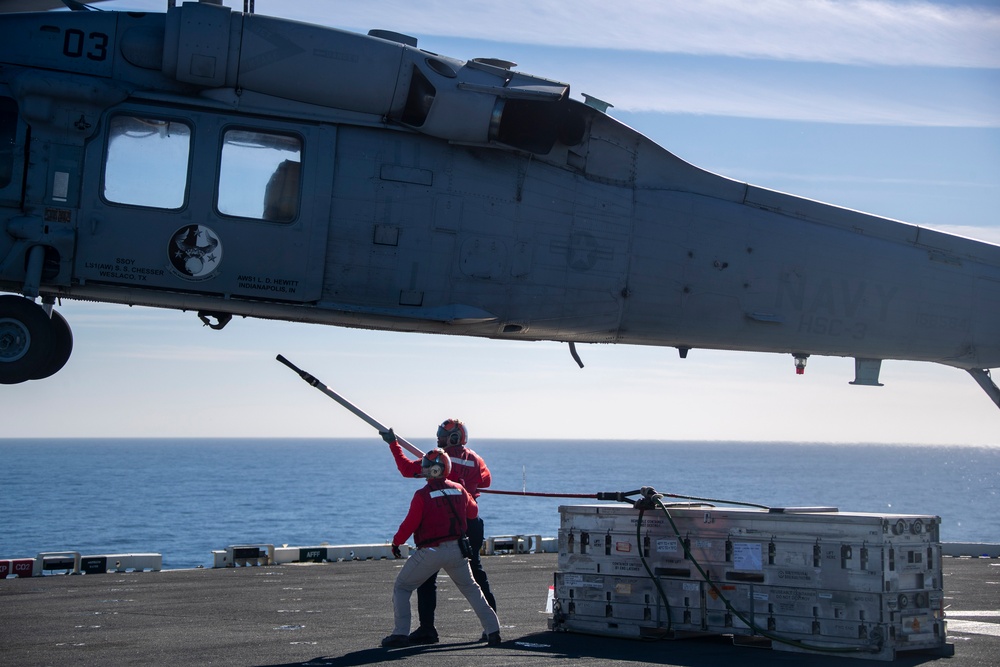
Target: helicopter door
x: 194, y: 203
x: 12, y: 146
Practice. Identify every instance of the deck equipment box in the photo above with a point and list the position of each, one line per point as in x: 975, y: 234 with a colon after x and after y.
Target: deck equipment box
x: 807, y: 579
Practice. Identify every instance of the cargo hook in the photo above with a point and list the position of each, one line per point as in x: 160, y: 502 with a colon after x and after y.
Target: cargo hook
x: 221, y: 319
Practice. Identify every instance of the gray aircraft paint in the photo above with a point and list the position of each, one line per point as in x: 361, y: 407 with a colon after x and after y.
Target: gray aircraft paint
x: 416, y: 192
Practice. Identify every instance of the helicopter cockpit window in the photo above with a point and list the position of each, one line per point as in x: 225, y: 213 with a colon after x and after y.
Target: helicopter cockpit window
x: 8, y: 137
x: 259, y: 175
x: 147, y: 162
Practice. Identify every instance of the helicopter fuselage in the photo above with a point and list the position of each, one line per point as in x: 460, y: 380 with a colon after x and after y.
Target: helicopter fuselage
x: 243, y: 165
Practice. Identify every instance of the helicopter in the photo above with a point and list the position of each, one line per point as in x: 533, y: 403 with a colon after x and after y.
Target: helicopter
x: 241, y: 165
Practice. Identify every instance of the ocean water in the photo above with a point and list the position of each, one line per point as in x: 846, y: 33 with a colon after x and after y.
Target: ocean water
x: 184, y: 498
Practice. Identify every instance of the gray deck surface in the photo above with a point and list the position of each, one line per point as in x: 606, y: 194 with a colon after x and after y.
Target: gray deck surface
x: 337, y: 613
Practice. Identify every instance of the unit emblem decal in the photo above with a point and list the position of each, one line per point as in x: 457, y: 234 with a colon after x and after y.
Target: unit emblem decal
x: 195, y: 252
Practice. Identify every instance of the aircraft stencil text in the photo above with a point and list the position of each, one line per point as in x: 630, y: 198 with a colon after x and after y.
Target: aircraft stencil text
x: 281, y: 285
x: 833, y: 299
x: 123, y: 269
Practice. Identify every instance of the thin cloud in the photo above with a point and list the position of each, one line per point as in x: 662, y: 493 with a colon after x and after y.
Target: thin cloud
x: 884, y: 32
x: 671, y: 83
x: 756, y: 95
x: 988, y: 234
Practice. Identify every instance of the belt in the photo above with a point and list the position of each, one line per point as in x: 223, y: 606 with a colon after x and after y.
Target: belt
x: 435, y: 543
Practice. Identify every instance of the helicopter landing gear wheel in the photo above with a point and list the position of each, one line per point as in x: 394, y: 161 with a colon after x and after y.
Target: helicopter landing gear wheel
x: 62, y: 347
x: 26, y: 335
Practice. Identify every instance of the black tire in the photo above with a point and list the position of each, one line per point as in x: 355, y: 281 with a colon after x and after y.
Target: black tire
x: 25, y: 339
x: 62, y: 347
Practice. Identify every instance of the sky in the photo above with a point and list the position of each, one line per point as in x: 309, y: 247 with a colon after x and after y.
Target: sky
x: 889, y: 107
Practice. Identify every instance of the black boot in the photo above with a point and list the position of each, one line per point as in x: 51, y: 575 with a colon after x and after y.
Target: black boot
x: 424, y: 635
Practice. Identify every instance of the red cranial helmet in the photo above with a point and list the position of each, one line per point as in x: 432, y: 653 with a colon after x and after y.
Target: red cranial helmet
x: 451, y: 433
x: 436, y: 464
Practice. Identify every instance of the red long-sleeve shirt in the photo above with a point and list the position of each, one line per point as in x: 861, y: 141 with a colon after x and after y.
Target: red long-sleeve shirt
x: 438, y: 512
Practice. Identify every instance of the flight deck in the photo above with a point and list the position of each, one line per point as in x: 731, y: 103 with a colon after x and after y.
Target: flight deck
x: 336, y: 614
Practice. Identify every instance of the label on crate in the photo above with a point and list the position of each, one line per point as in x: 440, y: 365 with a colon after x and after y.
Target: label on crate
x: 649, y: 522
x: 667, y: 546
x: 578, y: 581
x: 626, y: 567
x: 746, y: 556
x: 794, y: 575
x: 793, y: 594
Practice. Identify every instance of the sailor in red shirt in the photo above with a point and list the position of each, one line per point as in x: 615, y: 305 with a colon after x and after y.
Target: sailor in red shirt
x: 438, y: 515
x: 469, y: 470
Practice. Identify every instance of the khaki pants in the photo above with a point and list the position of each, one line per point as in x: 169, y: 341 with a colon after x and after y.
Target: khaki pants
x: 425, y: 562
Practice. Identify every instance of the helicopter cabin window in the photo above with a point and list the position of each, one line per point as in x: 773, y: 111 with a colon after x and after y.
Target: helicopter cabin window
x: 147, y: 162
x: 259, y: 175
x: 8, y: 137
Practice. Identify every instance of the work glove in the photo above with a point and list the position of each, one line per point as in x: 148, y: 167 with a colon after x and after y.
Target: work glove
x: 396, y: 552
x: 388, y: 436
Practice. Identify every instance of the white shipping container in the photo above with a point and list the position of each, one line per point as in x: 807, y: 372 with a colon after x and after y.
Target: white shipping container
x: 857, y: 584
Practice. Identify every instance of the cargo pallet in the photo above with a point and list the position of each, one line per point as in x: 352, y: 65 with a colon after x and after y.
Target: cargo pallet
x: 814, y: 580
